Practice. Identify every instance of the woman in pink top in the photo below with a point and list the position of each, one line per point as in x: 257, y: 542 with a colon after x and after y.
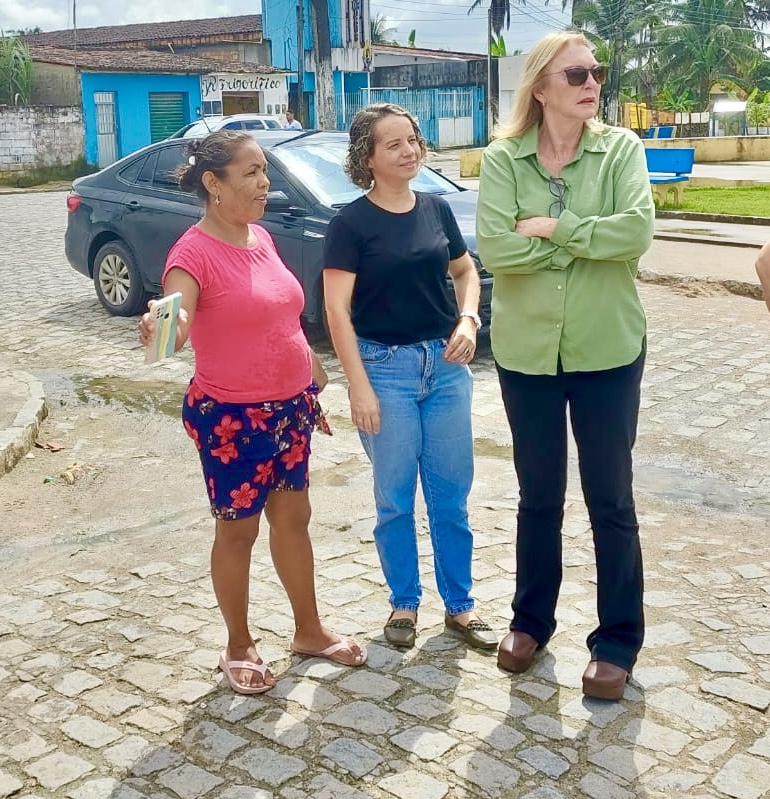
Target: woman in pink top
x: 252, y: 403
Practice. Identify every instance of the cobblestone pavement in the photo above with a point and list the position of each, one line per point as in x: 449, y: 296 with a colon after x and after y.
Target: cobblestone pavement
x: 107, y: 658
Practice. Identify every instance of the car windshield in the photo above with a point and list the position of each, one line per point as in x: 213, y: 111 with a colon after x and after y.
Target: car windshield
x: 318, y: 165
x: 199, y: 129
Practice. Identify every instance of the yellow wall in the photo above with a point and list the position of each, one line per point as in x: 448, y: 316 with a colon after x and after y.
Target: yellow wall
x: 708, y: 150
x: 470, y: 162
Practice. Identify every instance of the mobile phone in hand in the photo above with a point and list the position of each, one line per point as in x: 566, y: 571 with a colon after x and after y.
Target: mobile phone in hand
x: 165, y: 312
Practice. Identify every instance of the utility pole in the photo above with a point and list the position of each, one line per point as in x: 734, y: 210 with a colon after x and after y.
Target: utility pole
x: 490, y: 119
x: 300, y: 109
x: 75, y: 22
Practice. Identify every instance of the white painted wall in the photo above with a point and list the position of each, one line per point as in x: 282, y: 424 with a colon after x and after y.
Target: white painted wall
x: 39, y: 136
x: 510, y: 70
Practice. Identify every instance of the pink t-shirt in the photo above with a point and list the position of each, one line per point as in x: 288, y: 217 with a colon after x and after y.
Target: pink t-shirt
x: 246, y: 334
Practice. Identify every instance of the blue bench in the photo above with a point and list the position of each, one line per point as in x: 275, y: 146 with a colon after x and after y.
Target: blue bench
x: 661, y: 132
x: 669, y: 169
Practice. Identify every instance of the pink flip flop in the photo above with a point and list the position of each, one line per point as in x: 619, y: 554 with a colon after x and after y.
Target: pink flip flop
x: 331, y: 652
x: 227, y: 665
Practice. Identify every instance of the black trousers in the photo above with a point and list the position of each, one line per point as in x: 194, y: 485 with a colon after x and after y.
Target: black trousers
x: 603, y: 408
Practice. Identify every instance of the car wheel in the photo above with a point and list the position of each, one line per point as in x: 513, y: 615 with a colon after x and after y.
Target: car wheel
x: 117, y: 280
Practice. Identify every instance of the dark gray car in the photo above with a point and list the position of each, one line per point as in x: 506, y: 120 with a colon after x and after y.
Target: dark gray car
x: 124, y: 219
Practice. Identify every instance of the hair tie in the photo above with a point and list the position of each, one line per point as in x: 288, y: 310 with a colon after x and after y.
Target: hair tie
x: 191, y: 160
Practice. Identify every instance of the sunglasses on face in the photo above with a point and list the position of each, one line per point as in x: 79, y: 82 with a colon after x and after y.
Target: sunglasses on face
x: 577, y: 76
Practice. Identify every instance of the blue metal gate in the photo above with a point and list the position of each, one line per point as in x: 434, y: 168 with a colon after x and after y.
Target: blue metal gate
x: 453, y: 117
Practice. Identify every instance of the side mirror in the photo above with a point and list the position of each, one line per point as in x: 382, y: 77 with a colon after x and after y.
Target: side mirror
x: 279, y: 203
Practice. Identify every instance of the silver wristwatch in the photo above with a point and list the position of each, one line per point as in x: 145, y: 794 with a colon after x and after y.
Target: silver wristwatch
x: 471, y: 315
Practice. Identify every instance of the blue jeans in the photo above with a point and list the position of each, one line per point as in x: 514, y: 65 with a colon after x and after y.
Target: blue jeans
x: 425, y: 427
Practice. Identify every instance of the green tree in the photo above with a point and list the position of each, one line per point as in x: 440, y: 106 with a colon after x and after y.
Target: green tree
x: 671, y: 100
x: 15, y: 71
x: 616, y: 24
x: 708, y: 42
x: 381, y: 31
x: 757, y: 12
x: 642, y: 78
x: 497, y: 46
x: 758, y: 109
x: 499, y: 12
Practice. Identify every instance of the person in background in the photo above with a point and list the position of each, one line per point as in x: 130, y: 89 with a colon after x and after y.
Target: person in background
x: 252, y: 402
x: 292, y: 123
x: 763, y: 272
x: 564, y: 213
x: 405, y: 351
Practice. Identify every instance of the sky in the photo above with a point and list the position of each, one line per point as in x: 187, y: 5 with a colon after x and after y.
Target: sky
x: 439, y: 24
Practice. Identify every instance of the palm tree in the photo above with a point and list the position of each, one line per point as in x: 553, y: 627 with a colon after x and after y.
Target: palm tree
x: 708, y: 42
x: 757, y: 12
x: 499, y: 13
x: 380, y: 31
x: 615, y: 23
x: 576, y: 4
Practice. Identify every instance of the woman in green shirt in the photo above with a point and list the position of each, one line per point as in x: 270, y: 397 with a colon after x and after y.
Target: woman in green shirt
x: 565, y: 211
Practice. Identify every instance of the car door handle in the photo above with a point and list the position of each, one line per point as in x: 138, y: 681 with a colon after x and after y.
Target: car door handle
x: 311, y: 234
x: 134, y: 205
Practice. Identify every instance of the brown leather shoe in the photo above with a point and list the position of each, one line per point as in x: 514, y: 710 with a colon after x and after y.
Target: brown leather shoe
x: 516, y: 651
x: 604, y: 680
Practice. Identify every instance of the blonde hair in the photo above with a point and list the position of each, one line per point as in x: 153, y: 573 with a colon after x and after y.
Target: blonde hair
x: 527, y: 110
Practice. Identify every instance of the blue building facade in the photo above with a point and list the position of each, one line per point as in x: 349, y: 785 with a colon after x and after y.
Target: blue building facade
x: 133, y: 110
x: 449, y: 114
x: 348, y: 38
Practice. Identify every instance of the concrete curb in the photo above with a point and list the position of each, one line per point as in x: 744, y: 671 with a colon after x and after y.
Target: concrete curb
x: 18, y: 439
x: 692, y: 216
x: 666, y: 236
x: 740, y: 287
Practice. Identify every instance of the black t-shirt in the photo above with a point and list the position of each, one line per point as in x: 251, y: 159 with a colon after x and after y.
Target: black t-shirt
x: 401, y: 263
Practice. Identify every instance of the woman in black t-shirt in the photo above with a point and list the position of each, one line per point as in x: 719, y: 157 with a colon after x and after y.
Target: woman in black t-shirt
x: 405, y: 352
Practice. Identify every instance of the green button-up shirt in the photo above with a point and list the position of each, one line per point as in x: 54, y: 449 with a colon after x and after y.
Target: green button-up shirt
x: 574, y: 296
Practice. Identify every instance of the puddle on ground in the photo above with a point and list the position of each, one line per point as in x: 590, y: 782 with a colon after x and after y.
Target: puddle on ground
x: 135, y: 395
x: 671, y: 483
x: 336, y: 475
x: 677, y: 485
x: 147, y: 396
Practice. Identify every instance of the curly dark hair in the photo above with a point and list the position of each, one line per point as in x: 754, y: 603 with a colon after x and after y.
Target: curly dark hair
x: 363, y: 140
x: 211, y: 154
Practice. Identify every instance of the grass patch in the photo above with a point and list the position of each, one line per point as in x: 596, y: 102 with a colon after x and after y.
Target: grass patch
x: 733, y: 201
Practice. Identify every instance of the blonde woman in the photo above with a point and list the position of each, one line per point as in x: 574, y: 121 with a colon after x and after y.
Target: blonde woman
x: 565, y: 211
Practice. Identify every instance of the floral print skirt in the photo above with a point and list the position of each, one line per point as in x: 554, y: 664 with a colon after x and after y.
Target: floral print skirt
x: 248, y: 450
